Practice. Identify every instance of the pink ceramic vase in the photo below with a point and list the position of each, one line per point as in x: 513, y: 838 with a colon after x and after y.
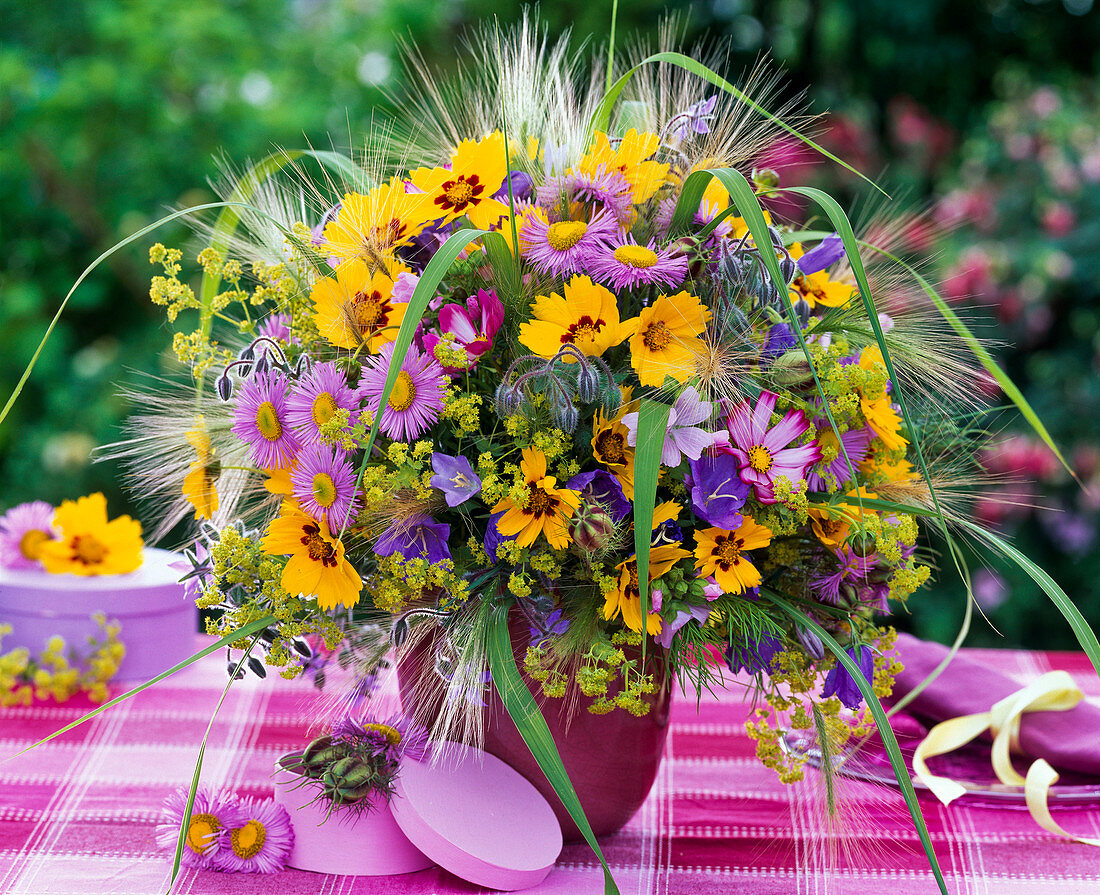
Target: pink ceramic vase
x: 612, y: 760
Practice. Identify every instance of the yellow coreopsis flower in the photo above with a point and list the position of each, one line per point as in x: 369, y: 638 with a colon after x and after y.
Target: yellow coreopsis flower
x: 548, y: 508
x: 357, y: 307
x: 879, y: 411
x: 817, y: 289
x: 89, y: 543
x: 718, y: 554
x: 665, y: 340
x: 588, y: 317
x: 833, y: 524
x: 611, y: 445
x: 370, y: 226
x: 478, y: 168
x: 630, y: 158
x: 317, y: 566
x: 626, y: 600
x: 198, y: 484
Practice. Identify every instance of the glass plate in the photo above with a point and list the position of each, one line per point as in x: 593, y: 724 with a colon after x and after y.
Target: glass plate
x: 970, y: 766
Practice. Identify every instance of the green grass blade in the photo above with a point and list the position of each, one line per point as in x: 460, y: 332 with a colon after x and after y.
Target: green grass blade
x: 652, y: 426
x: 87, y: 270
x: 602, y: 116
x: 982, y: 354
x: 525, y: 713
x: 186, y: 822
x: 1086, y: 637
x: 240, y: 633
x: 897, y: 762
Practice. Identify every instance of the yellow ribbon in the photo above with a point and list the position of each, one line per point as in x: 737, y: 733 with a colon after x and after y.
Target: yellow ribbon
x: 1055, y: 691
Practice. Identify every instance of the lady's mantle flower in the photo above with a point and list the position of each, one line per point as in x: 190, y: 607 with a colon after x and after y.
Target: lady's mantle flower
x: 762, y: 453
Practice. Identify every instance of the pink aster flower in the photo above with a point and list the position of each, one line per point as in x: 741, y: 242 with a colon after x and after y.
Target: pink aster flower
x: 213, y: 815
x: 262, y: 421
x: 609, y: 189
x: 684, y: 438
x: 473, y: 325
x: 624, y: 264
x: 260, y: 842
x: 561, y: 247
x: 324, y: 485
x: 830, y: 476
x: 276, y: 326
x: 315, y: 398
x: 23, y: 530
x: 762, y: 453
x: 394, y: 738
x: 417, y: 395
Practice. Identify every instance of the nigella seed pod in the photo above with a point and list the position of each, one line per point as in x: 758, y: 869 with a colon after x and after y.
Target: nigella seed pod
x: 225, y: 387
x: 765, y: 178
x: 588, y: 384
x: 792, y: 370
x: 802, y: 311
x: 862, y: 544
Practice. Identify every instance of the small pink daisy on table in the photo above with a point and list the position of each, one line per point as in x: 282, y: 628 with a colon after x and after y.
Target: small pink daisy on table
x: 625, y: 264
x: 213, y: 814
x: 416, y: 398
x: 324, y: 485
x: 762, y: 453
x: 260, y: 842
x: 262, y: 421
x: 562, y: 247
x: 23, y: 531
x: 316, y: 397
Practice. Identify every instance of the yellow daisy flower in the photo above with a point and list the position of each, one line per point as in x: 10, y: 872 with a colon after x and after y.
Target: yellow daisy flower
x: 89, y: 543
x: 370, y: 226
x: 665, y: 340
x: 833, y: 524
x: 478, y: 168
x: 198, y: 484
x: 626, y: 600
x: 548, y: 508
x: 317, y: 565
x: 718, y: 553
x: 629, y: 157
x: 587, y: 317
x: 879, y: 411
x: 357, y: 307
x: 817, y: 288
x: 611, y: 446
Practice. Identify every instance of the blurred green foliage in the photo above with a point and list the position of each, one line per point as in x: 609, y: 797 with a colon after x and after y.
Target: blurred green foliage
x: 113, y: 113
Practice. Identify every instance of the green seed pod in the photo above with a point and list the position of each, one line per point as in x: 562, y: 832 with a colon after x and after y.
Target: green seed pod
x: 791, y: 369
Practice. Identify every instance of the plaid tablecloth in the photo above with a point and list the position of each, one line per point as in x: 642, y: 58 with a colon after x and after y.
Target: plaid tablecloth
x: 77, y: 815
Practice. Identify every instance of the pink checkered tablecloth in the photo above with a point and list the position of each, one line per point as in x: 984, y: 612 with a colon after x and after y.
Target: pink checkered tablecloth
x: 77, y: 815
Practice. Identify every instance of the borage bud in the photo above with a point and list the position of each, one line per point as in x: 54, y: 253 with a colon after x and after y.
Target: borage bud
x: 225, y: 387
x: 507, y: 400
x: 588, y: 383
x: 565, y: 416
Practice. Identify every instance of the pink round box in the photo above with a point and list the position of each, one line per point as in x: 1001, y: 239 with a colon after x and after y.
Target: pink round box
x: 158, y: 621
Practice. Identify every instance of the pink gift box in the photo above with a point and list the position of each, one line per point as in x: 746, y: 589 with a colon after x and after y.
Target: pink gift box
x: 158, y: 621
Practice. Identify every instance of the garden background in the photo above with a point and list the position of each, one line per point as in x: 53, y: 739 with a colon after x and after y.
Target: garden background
x: 986, y: 114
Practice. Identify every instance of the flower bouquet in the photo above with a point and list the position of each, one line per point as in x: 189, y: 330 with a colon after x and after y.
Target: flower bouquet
x: 541, y: 386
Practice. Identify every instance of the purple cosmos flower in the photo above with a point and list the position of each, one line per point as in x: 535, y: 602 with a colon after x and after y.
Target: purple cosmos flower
x: 455, y: 477
x: 840, y: 683
x: 23, y: 530
x: 262, y: 421
x: 260, y: 841
x: 417, y: 395
x: 830, y: 476
x: 755, y: 656
x: 780, y: 339
x: 315, y: 398
x: 418, y: 537
x: 603, y: 489
x: 851, y: 569
x: 276, y: 326
x: 213, y: 815
x: 684, y: 438
x: 824, y: 254
x: 324, y: 485
x: 717, y: 492
x: 560, y: 248
x: 473, y: 326
x: 694, y: 119
x: 542, y: 629
x: 625, y: 265
x: 762, y: 453
x: 609, y: 189
x: 668, y: 629
x: 493, y: 537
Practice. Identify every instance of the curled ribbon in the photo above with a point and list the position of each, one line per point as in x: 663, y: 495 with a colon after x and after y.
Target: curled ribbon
x: 1055, y: 691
